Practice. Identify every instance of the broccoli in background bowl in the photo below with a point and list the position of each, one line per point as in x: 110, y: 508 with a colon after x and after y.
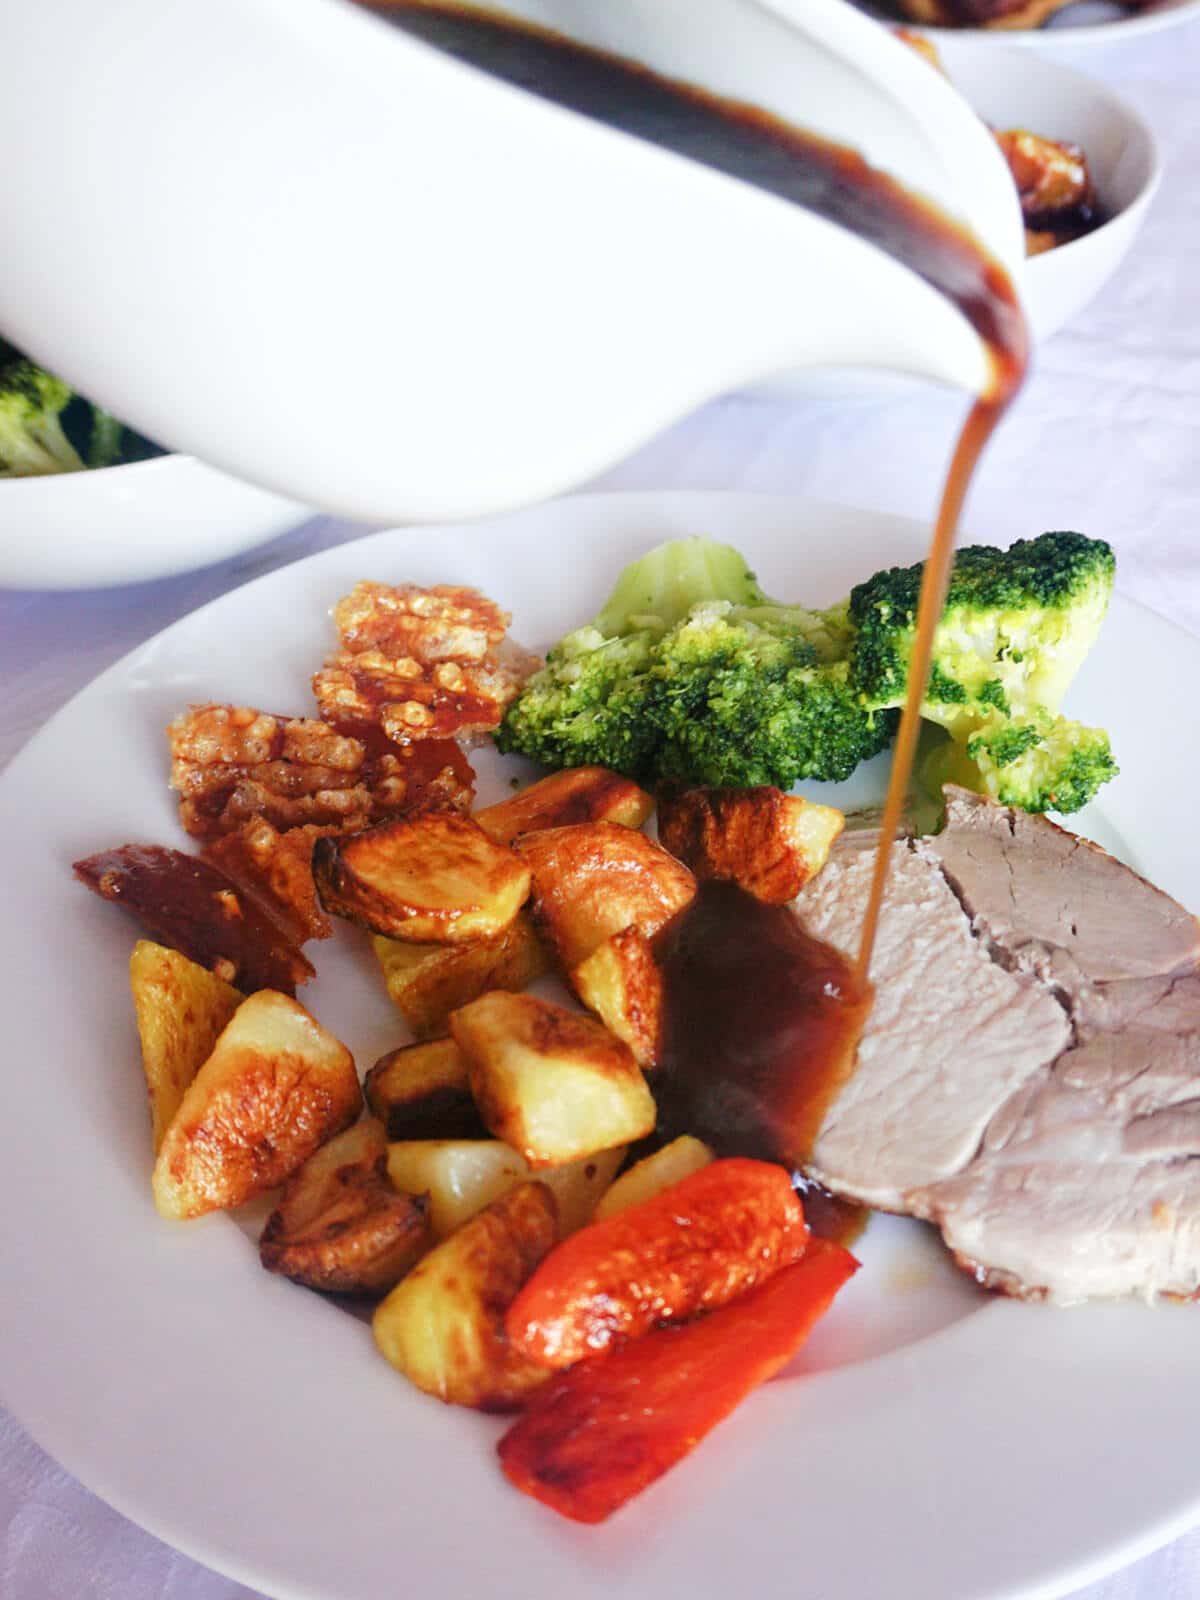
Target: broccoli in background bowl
x: 46, y: 428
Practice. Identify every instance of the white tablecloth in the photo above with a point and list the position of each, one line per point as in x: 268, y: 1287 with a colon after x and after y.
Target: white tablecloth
x: 1106, y: 438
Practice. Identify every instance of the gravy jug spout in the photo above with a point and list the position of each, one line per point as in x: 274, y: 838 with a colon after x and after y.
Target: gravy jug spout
x: 366, y: 266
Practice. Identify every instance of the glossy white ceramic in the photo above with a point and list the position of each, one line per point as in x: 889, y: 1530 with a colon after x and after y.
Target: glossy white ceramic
x: 932, y: 1443
x: 1012, y: 88
x: 83, y: 530
x: 323, y: 256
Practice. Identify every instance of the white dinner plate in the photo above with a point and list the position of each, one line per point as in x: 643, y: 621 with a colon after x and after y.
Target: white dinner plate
x: 931, y: 1444
x: 1087, y: 22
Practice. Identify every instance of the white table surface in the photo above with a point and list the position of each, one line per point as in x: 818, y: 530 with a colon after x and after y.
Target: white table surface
x: 1106, y: 438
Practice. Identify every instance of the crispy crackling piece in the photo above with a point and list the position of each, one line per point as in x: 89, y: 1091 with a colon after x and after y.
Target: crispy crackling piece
x: 420, y: 663
x: 187, y: 903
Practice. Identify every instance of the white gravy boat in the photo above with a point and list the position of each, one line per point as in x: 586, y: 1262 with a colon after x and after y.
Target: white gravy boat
x: 288, y: 238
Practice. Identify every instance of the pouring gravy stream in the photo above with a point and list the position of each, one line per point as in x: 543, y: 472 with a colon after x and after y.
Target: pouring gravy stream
x: 762, y: 1021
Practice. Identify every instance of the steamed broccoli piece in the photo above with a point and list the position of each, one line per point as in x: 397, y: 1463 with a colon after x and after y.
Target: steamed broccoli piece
x: 690, y: 671
x: 32, y: 441
x: 587, y: 704
x: 744, y: 697
x: 1045, y: 764
x: 1016, y: 627
x: 1015, y: 630
x: 591, y: 701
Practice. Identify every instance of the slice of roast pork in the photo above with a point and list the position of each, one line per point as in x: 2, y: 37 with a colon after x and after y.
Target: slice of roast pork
x: 1088, y: 1182
x: 1052, y: 903
x: 1068, y: 1139
x: 951, y: 1036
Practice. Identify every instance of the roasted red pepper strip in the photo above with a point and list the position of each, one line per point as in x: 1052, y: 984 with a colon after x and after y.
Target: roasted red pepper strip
x: 695, y: 1246
x: 594, y: 1437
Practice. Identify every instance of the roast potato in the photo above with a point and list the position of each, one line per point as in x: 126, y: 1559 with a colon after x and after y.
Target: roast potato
x: 551, y: 1083
x: 593, y: 879
x: 435, y: 878
x: 461, y: 1176
x: 276, y: 1086
x: 581, y: 794
x: 768, y: 842
x: 443, y: 1325
x: 340, y: 1225
x: 427, y: 982
x: 668, y: 1166
x: 621, y: 983
x: 180, y: 1011
x: 421, y: 1092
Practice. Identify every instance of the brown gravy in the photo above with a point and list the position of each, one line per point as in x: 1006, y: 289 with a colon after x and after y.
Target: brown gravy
x: 760, y: 1029
x: 762, y: 1020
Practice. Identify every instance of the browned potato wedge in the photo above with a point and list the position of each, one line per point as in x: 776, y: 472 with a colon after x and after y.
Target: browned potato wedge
x: 581, y: 794
x: 593, y: 879
x: 461, y: 1176
x: 180, y: 1011
x: 432, y: 879
x: 275, y: 1087
x: 421, y: 1092
x: 551, y: 1083
x: 621, y: 983
x: 670, y: 1165
x: 443, y: 1325
x: 428, y: 981
x: 768, y: 842
x: 340, y: 1226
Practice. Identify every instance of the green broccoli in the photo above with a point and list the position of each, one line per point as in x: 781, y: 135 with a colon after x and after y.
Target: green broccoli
x: 45, y: 427
x: 742, y: 696
x: 32, y: 441
x: 1045, y: 764
x: 588, y: 703
x: 690, y: 671
x: 1015, y: 630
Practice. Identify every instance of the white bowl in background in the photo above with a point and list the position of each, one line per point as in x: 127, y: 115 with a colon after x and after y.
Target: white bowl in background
x: 147, y: 519
x: 1017, y: 89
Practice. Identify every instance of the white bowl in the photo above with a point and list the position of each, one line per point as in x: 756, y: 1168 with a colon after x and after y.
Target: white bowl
x: 83, y: 530
x: 1016, y: 89
x: 1012, y: 88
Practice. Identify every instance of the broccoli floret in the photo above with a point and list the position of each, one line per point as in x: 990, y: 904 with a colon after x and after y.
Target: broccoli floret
x: 591, y: 701
x: 1045, y: 764
x: 691, y: 672
x: 1016, y: 626
x: 743, y: 698
x: 32, y: 441
x: 586, y: 705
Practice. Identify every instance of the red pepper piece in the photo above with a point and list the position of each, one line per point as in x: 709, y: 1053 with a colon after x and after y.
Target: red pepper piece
x: 695, y: 1246
x: 594, y: 1437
